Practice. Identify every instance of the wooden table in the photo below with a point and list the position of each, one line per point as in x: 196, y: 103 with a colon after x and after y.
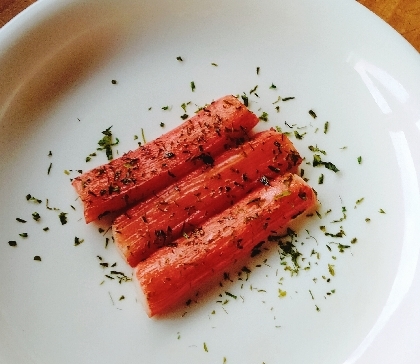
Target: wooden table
x: 403, y: 15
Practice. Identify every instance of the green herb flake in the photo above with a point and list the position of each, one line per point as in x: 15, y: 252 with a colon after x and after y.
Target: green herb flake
x: 63, y: 218
x: 121, y: 277
x: 245, y: 99
x: 37, y: 258
x: 353, y: 241
x: 359, y: 160
x: 49, y: 168
x: 165, y: 107
x: 341, y: 247
x: 288, y: 98
x: 298, y: 135
x: 246, y: 270
x: 321, y: 179
x: 36, y: 216
x: 331, y: 167
x: 282, y: 194
x: 192, y: 85
x: 343, y: 210
x: 12, y: 243
x: 282, y: 293
x: 184, y: 105
x: 121, y: 298
x: 326, y: 126
x: 231, y: 295
x: 205, y: 347
x: 258, y: 70
x: 317, y: 161
x: 78, y: 241
x: 162, y: 125
x: 46, y: 228
x: 142, y: 135
x: 23, y: 235
x: 312, y: 113
x: 253, y: 90
x: 20, y: 220
x: 263, y: 116
x: 278, y: 100
x: 338, y: 235
x: 32, y: 199
x: 359, y: 201
x: 331, y: 269
x: 114, y: 82
x: 381, y: 211
x: 367, y: 219
x: 179, y: 59
x: 316, y: 149
x: 184, y: 116
x: 106, y: 143
x: 89, y: 157
x: 214, y: 64
x: 273, y: 86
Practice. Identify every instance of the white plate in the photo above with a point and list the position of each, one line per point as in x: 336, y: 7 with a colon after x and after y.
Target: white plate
x: 57, y: 60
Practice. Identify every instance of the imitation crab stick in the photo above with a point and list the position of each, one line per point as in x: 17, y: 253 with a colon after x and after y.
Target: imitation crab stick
x: 183, y: 206
x: 140, y: 173
x: 174, y: 273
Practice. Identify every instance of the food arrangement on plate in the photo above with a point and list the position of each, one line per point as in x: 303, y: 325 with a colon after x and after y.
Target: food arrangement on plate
x: 240, y: 189
x: 226, y: 235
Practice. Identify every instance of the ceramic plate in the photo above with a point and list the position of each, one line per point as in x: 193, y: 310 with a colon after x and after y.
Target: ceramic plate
x: 353, y: 297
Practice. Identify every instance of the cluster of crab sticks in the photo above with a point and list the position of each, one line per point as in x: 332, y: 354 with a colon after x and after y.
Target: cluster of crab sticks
x: 197, y: 200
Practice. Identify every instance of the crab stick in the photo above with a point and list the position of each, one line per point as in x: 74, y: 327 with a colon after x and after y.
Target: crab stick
x: 175, y: 273
x: 140, y: 173
x: 186, y: 204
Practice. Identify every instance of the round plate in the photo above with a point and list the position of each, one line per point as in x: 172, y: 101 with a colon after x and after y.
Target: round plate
x: 354, y: 296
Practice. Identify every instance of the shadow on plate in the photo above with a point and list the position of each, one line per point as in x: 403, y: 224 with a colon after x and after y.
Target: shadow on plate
x: 49, y: 61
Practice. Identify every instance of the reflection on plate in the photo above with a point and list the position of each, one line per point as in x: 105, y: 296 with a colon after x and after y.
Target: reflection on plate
x: 58, y: 61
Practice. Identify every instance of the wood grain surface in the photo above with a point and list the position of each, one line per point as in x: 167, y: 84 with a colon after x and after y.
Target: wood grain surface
x: 402, y: 15
x: 10, y: 8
